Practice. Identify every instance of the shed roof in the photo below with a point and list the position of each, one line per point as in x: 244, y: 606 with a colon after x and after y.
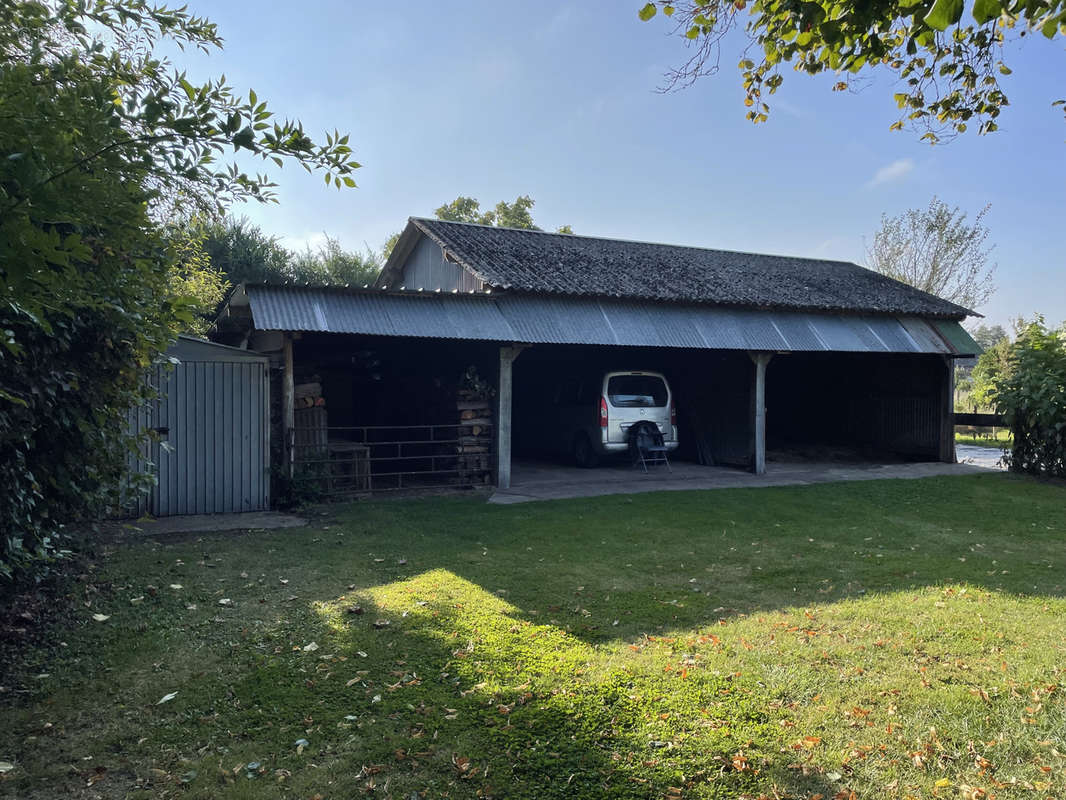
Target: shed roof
x: 565, y: 264
x: 195, y: 348
x: 531, y: 319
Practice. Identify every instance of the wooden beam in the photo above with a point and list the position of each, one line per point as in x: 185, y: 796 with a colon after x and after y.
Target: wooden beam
x: 981, y: 420
x: 759, y: 411
x: 504, y: 400
x: 947, y: 412
x: 288, y: 403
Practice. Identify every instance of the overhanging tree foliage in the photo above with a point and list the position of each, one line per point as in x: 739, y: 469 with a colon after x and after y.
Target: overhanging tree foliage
x: 946, y: 54
x: 936, y: 250
x: 102, y: 141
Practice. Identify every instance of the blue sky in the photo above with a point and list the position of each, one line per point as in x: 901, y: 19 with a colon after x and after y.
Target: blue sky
x: 557, y: 100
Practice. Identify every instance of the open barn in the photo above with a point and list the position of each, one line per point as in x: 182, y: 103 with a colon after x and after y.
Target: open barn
x: 467, y: 358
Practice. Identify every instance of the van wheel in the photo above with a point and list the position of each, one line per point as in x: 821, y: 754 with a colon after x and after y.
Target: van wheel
x: 584, y: 456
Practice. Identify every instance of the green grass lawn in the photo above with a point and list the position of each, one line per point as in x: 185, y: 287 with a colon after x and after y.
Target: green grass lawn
x: 1001, y: 440
x: 902, y: 639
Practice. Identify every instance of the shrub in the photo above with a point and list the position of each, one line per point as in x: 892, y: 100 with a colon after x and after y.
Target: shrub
x: 1031, y: 396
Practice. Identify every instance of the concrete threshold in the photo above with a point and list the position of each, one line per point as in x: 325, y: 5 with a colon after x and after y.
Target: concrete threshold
x: 531, y: 481
x: 197, y: 523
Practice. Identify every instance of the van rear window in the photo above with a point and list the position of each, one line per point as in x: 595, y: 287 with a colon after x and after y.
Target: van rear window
x: 636, y: 391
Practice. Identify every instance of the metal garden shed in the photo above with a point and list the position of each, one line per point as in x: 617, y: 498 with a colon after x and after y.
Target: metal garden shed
x: 212, y: 415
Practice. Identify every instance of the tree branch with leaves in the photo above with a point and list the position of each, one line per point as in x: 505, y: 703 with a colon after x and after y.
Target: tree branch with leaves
x: 948, y: 55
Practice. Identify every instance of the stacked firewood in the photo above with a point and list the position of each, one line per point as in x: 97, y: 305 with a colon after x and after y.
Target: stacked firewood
x: 474, y: 447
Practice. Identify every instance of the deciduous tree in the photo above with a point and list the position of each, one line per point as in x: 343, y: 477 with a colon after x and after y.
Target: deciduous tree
x: 518, y: 214
x: 947, y: 55
x: 936, y: 250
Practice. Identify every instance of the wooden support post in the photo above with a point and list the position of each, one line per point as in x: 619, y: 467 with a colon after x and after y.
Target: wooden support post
x: 504, y: 397
x: 288, y: 404
x: 947, y: 413
x: 759, y: 411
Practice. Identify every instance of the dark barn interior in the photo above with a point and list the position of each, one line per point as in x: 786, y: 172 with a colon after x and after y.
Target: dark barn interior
x: 379, y: 381
x: 382, y: 413
x: 820, y: 406
x: 848, y: 406
x: 395, y: 405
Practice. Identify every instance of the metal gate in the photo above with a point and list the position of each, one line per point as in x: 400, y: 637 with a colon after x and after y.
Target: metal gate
x: 212, y: 418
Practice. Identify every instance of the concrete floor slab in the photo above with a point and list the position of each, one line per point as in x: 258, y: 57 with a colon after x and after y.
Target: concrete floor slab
x: 197, y: 523
x: 990, y: 457
x: 547, y: 481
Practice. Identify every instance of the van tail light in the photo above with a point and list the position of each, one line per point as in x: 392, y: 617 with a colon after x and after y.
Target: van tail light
x: 673, y: 413
x: 603, y: 412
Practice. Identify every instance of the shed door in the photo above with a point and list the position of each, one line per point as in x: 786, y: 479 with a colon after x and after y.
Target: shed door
x: 213, y: 458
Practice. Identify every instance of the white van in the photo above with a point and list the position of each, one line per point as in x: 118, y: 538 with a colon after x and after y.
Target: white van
x: 592, y: 416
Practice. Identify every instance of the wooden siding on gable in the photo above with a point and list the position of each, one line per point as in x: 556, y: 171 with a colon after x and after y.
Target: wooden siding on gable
x: 426, y: 269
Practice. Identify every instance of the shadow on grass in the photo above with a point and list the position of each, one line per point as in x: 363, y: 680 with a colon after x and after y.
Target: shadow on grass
x: 515, y: 659
x: 441, y: 686
x: 614, y: 568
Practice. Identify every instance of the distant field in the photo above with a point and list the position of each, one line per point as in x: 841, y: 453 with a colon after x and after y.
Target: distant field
x: 984, y: 437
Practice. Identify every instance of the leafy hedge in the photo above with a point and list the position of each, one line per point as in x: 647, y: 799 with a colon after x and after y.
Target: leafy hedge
x: 1031, y: 395
x: 63, y: 440
x: 103, y: 144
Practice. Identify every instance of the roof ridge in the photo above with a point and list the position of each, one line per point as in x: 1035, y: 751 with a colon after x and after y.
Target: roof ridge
x: 620, y: 240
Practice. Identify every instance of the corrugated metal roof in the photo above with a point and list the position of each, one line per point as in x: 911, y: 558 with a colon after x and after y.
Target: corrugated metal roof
x: 957, y: 337
x: 531, y: 319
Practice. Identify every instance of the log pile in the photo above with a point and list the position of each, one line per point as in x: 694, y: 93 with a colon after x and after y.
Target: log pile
x: 310, y: 423
x: 474, y: 447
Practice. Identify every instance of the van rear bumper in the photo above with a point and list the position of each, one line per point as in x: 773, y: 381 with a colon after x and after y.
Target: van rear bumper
x: 621, y: 447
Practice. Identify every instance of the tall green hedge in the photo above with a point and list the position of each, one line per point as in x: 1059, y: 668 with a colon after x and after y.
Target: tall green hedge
x: 103, y: 144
